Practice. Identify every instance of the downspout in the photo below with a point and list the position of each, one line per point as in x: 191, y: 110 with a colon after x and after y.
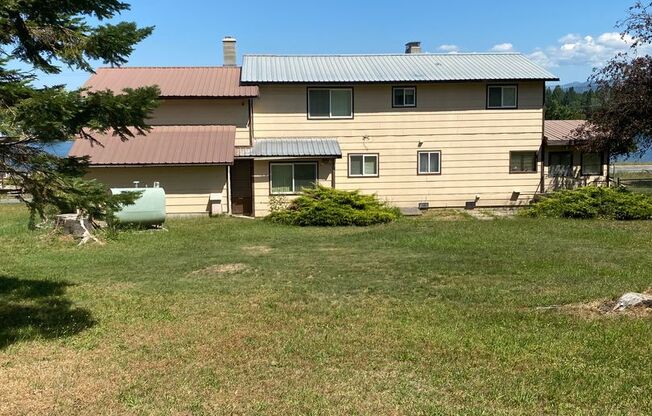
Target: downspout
x: 228, y: 189
x: 251, y: 121
x: 608, y: 168
x: 543, y: 138
x: 542, y: 160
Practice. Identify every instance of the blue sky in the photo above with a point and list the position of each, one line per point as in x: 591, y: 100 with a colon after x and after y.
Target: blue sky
x: 568, y: 37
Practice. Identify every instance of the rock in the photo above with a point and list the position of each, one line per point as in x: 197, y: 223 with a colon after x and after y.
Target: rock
x: 631, y: 300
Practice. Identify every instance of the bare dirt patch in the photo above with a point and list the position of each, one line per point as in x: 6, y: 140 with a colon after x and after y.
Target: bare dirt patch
x: 447, y: 214
x: 257, y: 250
x: 600, y: 308
x: 219, y: 269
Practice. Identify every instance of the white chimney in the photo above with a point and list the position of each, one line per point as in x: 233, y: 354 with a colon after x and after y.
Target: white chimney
x: 228, y: 45
x: 413, y: 47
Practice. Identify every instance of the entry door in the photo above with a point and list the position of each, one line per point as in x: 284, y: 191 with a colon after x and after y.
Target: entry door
x: 241, y: 198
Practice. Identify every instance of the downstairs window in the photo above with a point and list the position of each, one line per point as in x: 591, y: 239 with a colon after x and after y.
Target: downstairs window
x: 560, y: 164
x: 522, y: 162
x: 291, y: 178
x: 591, y: 164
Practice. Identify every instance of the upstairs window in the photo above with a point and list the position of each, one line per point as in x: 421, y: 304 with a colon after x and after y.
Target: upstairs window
x: 363, y: 165
x: 325, y: 103
x: 522, y: 162
x: 560, y: 164
x: 404, y: 97
x: 591, y: 164
x: 502, y: 96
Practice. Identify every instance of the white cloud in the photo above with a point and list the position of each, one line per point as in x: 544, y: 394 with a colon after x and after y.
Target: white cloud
x: 574, y: 49
x: 503, y: 47
x: 449, y: 48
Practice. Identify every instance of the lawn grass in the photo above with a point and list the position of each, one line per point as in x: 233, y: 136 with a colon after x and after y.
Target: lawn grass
x: 234, y: 316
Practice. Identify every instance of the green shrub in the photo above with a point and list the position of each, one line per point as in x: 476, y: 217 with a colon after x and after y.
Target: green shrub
x: 592, y: 202
x: 323, y: 206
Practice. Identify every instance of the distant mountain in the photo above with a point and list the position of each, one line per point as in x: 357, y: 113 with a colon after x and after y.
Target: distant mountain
x: 578, y: 86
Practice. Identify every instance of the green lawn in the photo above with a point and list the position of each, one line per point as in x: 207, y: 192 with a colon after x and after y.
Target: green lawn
x: 234, y: 316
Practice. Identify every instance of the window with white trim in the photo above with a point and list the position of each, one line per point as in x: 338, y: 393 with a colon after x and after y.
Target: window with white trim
x: 429, y: 162
x: 330, y: 103
x: 291, y: 178
x: 404, y: 97
x: 591, y: 164
x: 363, y: 165
x: 502, y: 96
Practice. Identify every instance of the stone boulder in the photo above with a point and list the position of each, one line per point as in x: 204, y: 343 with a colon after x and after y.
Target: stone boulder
x: 632, y: 300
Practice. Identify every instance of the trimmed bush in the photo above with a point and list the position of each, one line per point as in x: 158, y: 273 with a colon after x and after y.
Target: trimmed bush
x: 323, y: 206
x: 592, y: 202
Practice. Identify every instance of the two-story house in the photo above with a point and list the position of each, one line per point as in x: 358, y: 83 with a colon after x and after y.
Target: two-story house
x: 417, y: 129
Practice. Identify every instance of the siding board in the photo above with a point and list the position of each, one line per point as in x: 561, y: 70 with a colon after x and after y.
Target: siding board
x: 187, y: 189
x: 475, y: 142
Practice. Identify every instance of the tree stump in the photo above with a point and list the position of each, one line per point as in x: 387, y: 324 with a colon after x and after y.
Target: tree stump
x: 73, y: 224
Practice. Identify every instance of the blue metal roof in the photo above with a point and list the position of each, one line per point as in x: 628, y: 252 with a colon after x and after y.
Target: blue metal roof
x: 293, y: 147
x: 420, y: 67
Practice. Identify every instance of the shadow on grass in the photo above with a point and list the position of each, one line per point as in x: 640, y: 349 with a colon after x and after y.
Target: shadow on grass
x: 31, y: 309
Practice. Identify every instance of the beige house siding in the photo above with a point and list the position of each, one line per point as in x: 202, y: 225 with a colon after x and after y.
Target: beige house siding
x: 553, y: 183
x: 187, y: 189
x: 450, y: 117
x: 233, y: 111
x: 262, y: 184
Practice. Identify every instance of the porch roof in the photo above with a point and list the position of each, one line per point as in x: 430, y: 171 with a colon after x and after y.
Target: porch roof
x: 559, y: 132
x: 291, y: 147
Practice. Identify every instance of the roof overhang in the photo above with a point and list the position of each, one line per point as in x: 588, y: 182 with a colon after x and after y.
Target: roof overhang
x: 291, y: 148
x: 560, y: 132
x: 161, y: 146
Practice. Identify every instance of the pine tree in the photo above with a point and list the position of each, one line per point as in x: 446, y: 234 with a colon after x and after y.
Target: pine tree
x: 45, y: 35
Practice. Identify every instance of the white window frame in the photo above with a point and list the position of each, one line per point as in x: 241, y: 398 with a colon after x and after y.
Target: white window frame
x: 430, y: 153
x: 294, y: 187
x: 502, y: 97
x: 330, y: 106
x: 394, y: 105
x: 582, y: 164
x: 364, y: 156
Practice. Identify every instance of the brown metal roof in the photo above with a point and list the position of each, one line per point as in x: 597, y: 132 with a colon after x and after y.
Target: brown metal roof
x: 163, y: 145
x: 215, y: 81
x: 558, y: 132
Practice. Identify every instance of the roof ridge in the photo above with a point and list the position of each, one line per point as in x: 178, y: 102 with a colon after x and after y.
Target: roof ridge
x: 172, y: 67
x: 379, y: 54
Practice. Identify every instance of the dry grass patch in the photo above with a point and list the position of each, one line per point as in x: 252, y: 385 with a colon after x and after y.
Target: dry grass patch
x: 217, y: 269
x: 602, y: 308
x: 257, y: 250
x: 446, y: 214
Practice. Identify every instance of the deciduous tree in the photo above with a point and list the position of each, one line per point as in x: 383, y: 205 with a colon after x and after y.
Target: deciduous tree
x: 622, y: 124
